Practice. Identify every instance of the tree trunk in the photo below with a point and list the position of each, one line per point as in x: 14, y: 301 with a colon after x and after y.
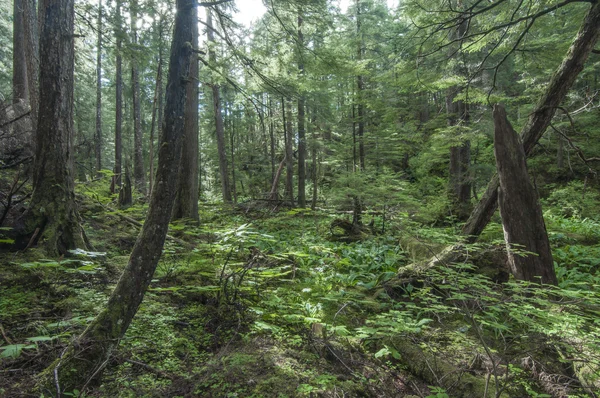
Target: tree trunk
x: 359, y: 93
x: 232, y: 152
x: 52, y: 209
x: 220, y: 130
x: 460, y: 159
x: 118, y: 100
x: 289, y: 156
x: 522, y: 220
x: 271, y: 138
x: 98, y: 136
x: 540, y: 118
x: 274, y: 195
x: 155, y: 110
x: 19, y: 78
x: 301, y: 121
x: 186, y: 199
x: 139, y: 176
x: 32, y: 57
x: 89, y: 353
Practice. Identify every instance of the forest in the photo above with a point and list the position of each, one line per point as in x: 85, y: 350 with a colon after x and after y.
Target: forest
x: 300, y: 198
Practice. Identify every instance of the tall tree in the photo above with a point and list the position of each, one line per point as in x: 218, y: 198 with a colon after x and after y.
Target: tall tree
x: 52, y: 217
x: 139, y: 175
x: 89, y: 353
x: 301, y: 118
x: 118, y: 100
x: 286, y: 108
x: 98, y: 136
x: 186, y: 199
x: 219, y: 127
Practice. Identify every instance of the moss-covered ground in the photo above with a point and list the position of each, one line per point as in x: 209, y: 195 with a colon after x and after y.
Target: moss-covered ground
x: 261, y: 303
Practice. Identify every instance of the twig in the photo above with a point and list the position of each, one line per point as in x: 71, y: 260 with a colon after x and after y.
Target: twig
x: 4, y: 335
x: 151, y: 369
x: 33, y: 237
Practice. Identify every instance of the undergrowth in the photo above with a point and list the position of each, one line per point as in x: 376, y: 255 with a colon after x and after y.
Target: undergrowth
x: 267, y: 304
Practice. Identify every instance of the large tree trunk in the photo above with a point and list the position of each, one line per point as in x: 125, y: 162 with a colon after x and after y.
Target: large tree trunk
x: 139, y: 175
x: 118, y: 101
x: 32, y: 56
x: 88, y: 354
x: 98, y: 136
x: 186, y: 199
x: 301, y: 121
x: 540, y: 118
x: 522, y: 220
x: 52, y: 216
x: 220, y: 130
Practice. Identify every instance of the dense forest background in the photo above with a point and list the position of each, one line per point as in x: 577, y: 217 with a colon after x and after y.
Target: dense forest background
x: 328, y: 177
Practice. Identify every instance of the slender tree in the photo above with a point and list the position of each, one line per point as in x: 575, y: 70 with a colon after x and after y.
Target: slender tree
x: 219, y: 128
x: 19, y: 77
x: 89, y: 353
x: 139, y: 175
x: 301, y: 119
x: 118, y: 100
x: 98, y: 136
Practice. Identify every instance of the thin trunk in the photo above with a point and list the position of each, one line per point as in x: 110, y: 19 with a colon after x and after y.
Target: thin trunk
x: 315, y: 166
x: 98, y: 137
x: 542, y: 114
x: 231, y: 147
x: 301, y: 121
x: 86, y: 357
x: 272, y: 138
x: 522, y: 220
x: 274, y: 195
x: 289, y: 156
x: 186, y: 199
x: 118, y: 100
x: 155, y: 110
x: 359, y: 92
x: 139, y: 176
x: 220, y: 131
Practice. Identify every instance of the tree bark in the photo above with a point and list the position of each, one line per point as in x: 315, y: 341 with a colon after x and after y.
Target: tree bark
x: 155, y: 110
x: 19, y: 77
x: 289, y: 156
x: 52, y: 208
x: 186, y: 199
x: 522, y: 220
x: 220, y: 130
x: 139, y: 175
x: 118, y: 100
x: 32, y: 57
x: 360, y: 85
x: 301, y: 120
x: 542, y: 115
x: 98, y: 136
x: 89, y: 353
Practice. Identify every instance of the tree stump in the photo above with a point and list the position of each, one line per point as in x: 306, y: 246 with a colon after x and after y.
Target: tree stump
x: 529, y: 254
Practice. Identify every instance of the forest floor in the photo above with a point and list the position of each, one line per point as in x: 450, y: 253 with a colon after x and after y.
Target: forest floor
x: 262, y: 303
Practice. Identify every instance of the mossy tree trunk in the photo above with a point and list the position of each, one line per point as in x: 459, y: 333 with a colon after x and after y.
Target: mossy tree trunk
x: 522, y: 219
x: 52, y: 217
x: 87, y: 355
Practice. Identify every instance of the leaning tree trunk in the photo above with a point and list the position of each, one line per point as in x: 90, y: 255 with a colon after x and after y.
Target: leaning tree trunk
x: 542, y: 115
x: 522, y: 220
x: 88, y: 354
x: 52, y: 218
